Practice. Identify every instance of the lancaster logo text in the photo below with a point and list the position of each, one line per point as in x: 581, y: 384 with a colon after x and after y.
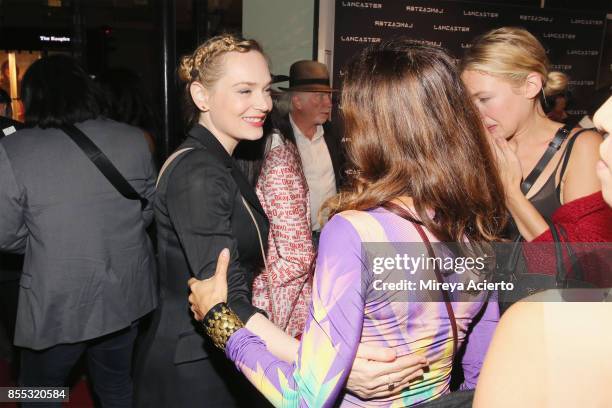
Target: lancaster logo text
x: 484, y: 14
x: 419, y: 9
x: 560, y: 36
x: 582, y: 83
x: 393, y: 24
x: 541, y: 19
x: 349, y: 38
x: 563, y: 67
x: 586, y: 22
x: 429, y: 42
x: 583, y: 52
x: 362, y: 4
x: 451, y: 28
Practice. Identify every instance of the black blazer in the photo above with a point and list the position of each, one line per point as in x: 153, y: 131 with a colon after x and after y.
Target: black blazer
x: 198, y: 211
x: 333, y: 139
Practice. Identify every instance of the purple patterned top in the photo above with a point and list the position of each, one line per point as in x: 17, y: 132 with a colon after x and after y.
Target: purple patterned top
x: 343, y: 313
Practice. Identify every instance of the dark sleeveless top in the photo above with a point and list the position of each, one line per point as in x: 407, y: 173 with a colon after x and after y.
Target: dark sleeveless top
x: 548, y: 199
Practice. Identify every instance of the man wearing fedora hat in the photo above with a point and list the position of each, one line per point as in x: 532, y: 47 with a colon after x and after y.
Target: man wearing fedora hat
x: 318, y: 142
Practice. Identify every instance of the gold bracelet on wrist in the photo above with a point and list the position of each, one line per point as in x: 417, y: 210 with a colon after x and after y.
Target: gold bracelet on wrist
x: 220, y: 323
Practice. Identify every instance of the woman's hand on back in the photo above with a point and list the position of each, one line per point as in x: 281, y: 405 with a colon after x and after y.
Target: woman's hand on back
x: 378, y: 373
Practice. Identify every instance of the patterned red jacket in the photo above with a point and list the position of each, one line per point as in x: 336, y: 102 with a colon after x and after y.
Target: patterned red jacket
x: 587, y: 223
x: 284, y: 289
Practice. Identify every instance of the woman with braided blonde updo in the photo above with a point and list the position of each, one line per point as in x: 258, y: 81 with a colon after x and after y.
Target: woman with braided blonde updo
x: 204, y: 204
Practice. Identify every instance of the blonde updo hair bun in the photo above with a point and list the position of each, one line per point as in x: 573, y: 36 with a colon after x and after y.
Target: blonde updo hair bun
x: 556, y: 83
x: 513, y: 53
x: 205, y: 65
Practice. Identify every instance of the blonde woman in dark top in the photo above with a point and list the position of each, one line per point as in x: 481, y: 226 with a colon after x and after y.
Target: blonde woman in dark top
x: 548, y: 170
x: 569, y: 359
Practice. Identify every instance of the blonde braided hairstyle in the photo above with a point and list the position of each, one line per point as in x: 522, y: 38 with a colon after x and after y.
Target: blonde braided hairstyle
x: 205, y: 65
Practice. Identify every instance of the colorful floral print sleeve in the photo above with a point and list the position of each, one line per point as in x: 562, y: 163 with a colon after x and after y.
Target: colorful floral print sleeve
x: 344, y: 313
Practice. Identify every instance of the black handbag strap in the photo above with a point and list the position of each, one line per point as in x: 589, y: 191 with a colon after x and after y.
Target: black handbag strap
x: 576, y: 268
x: 99, y: 159
x: 509, y: 267
x: 561, y: 278
x: 403, y: 213
x: 553, y: 148
x: 561, y: 274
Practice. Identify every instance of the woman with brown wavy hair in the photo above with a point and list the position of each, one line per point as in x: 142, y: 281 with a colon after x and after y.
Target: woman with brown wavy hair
x: 423, y: 172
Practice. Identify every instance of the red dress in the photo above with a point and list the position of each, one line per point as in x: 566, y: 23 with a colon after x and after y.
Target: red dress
x: 284, y: 289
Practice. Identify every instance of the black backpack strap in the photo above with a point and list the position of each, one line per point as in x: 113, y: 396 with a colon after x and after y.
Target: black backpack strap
x: 553, y: 148
x: 103, y: 164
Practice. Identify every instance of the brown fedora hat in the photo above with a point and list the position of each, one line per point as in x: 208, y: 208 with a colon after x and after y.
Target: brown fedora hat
x: 308, y: 76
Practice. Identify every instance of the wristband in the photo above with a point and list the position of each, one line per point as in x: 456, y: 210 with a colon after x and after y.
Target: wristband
x: 220, y: 323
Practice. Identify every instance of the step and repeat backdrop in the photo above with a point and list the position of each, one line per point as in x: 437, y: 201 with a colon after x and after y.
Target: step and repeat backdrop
x: 574, y: 40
